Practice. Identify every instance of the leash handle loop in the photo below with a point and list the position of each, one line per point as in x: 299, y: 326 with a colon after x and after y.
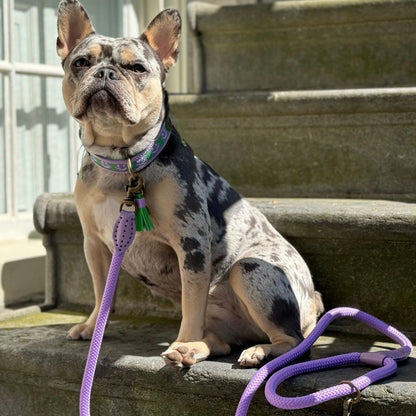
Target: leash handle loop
x: 388, y: 368
x: 386, y: 360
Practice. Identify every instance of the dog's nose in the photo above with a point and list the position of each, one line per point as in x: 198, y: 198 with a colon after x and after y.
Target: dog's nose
x: 106, y: 74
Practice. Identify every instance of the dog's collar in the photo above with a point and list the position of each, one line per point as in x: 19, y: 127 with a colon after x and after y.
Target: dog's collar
x: 140, y: 160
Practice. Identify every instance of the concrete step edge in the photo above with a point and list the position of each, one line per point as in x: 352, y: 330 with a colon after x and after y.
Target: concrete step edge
x: 244, y: 104
x: 373, y: 219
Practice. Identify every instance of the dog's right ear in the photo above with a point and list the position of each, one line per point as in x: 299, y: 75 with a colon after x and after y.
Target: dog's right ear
x: 73, y: 26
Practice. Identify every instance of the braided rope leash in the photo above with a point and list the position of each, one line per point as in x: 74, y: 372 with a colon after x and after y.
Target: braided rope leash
x: 123, y: 236
x: 384, y: 360
x: 135, y: 218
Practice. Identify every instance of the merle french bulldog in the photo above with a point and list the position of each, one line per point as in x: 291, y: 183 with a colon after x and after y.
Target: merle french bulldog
x: 238, y: 281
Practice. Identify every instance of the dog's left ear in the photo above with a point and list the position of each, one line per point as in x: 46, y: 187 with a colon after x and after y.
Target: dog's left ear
x: 163, y: 35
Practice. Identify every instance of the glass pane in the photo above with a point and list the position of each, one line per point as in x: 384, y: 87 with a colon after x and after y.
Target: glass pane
x: 106, y: 16
x: 26, y: 39
x: 35, y: 27
x: 42, y: 144
x: 3, y: 189
x: 1, y: 32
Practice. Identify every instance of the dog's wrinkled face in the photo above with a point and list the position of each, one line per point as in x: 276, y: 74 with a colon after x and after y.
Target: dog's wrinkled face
x: 114, y: 87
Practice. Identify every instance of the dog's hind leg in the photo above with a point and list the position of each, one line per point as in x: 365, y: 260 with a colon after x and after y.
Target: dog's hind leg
x: 266, y: 293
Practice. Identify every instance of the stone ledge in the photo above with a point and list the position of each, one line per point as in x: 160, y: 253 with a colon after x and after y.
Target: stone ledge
x: 294, y: 217
x: 346, y: 219
x: 55, y: 210
x: 269, y: 103
x: 40, y: 374
x: 361, y: 254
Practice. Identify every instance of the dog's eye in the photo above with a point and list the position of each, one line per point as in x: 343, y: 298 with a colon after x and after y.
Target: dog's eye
x: 81, y: 63
x: 138, y: 68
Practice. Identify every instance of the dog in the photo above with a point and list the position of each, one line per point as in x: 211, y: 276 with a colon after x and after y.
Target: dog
x: 237, y: 280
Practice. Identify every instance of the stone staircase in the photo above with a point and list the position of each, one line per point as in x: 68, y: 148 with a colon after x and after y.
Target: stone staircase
x: 308, y: 108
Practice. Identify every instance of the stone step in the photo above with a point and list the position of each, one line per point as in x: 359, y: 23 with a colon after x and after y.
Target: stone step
x: 296, y: 45
x: 338, y: 144
x: 41, y: 373
x: 361, y: 253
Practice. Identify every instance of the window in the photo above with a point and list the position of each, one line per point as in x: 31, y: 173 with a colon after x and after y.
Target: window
x: 38, y: 140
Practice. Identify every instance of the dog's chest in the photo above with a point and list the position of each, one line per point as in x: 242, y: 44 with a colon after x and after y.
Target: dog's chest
x: 148, y: 259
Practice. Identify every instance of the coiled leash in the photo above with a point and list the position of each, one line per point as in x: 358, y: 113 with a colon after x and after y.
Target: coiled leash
x: 384, y: 360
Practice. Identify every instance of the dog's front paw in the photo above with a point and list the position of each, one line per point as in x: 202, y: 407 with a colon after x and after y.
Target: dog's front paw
x: 80, y: 331
x: 179, y: 355
x: 252, y: 357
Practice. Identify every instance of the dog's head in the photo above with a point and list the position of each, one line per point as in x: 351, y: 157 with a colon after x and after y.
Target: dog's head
x: 114, y: 86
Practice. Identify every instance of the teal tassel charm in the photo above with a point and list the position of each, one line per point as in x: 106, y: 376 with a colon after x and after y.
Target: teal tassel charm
x: 143, y: 220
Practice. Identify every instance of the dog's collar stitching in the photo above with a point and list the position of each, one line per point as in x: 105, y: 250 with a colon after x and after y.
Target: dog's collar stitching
x: 141, y: 159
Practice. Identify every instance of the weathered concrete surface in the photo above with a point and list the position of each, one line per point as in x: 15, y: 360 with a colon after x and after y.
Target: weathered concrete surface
x: 41, y: 372
x: 318, y: 144
x: 22, y: 272
x: 295, y: 45
x: 361, y: 253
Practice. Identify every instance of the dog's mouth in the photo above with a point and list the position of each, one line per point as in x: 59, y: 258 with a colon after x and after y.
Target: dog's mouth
x: 102, y: 101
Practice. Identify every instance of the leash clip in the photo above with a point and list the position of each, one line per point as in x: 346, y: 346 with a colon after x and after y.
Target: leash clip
x: 135, y: 184
x: 347, y: 407
x: 349, y: 402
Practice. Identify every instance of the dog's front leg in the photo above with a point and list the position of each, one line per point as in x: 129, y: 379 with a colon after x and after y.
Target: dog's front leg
x: 98, y: 259
x: 97, y: 254
x: 195, y: 268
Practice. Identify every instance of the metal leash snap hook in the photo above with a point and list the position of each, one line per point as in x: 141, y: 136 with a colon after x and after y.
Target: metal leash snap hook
x: 349, y: 402
x: 347, y: 407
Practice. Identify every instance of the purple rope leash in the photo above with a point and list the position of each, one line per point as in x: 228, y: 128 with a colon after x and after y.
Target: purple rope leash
x: 123, y: 236
x: 385, y: 360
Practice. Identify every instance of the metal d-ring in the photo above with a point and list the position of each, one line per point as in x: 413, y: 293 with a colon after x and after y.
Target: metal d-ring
x: 357, y: 398
x: 350, y: 401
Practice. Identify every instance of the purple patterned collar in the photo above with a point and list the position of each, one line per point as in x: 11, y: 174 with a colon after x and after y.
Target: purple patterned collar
x: 142, y: 159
